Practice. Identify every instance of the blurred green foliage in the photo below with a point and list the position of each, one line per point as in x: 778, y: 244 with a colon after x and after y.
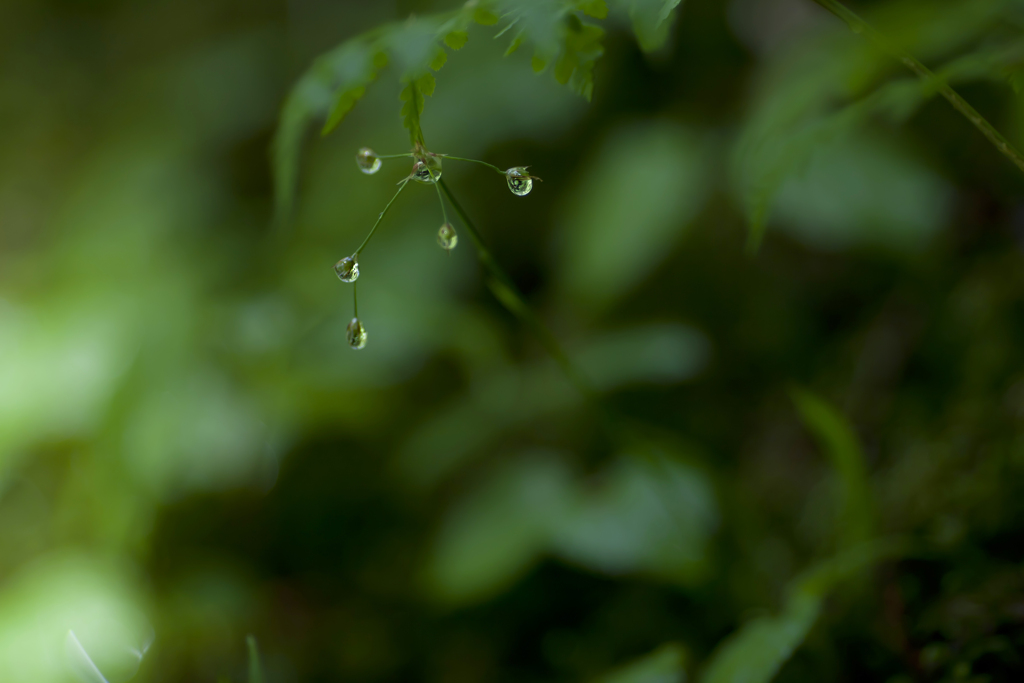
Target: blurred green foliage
x: 806, y: 465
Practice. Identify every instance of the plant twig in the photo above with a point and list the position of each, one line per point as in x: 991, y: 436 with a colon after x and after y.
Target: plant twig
x: 511, y: 298
x: 858, y: 25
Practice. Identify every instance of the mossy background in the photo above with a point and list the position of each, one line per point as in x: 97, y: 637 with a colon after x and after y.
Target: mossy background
x: 189, y: 450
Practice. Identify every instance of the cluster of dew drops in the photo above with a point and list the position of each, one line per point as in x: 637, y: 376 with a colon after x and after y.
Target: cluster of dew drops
x: 427, y: 170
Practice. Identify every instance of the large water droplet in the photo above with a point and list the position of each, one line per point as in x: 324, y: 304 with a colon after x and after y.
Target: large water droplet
x: 447, y: 237
x: 368, y: 161
x: 347, y: 269
x: 519, y: 181
x: 427, y: 169
x: 356, y: 334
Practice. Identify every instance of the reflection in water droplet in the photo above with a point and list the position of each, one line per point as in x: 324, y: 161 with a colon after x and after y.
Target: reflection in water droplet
x: 519, y: 181
x: 356, y: 334
x: 447, y: 237
x: 368, y: 161
x: 347, y: 269
x: 427, y: 170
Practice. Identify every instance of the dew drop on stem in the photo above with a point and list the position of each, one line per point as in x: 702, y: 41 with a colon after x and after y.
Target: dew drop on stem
x: 519, y: 181
x: 447, y: 237
x: 355, y: 333
x: 347, y: 269
x: 368, y: 161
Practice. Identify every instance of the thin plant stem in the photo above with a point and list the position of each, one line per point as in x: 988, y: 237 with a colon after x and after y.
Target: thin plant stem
x: 355, y: 300
x: 511, y: 298
x: 475, y: 161
x: 858, y: 25
x: 444, y: 212
x: 381, y: 217
x: 394, y: 156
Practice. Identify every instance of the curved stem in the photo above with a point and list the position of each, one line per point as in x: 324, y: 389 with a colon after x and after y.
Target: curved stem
x: 858, y: 25
x: 506, y: 292
x: 381, y: 217
x: 475, y: 161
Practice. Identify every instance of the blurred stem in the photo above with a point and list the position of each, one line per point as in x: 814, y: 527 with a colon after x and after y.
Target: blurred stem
x: 858, y: 25
x: 355, y: 300
x: 506, y: 292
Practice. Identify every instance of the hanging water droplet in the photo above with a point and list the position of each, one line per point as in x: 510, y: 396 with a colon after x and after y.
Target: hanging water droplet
x: 347, y: 269
x: 368, y: 161
x: 447, y: 237
x: 519, y: 181
x: 356, y: 334
x: 427, y: 169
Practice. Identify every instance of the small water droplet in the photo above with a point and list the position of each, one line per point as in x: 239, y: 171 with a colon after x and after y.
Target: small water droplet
x: 447, y: 237
x: 347, y: 269
x: 356, y: 334
x: 368, y: 161
x: 519, y: 181
x: 427, y: 169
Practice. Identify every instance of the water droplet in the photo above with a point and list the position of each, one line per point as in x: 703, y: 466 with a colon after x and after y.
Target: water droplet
x: 447, y: 237
x: 356, y: 334
x: 368, y: 161
x: 519, y: 181
x: 427, y: 169
x: 347, y: 269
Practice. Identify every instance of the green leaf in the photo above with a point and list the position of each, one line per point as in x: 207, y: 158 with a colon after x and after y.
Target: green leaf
x: 514, y: 45
x: 439, y: 60
x: 756, y: 652
x: 594, y: 8
x: 255, y: 669
x: 456, y: 40
x: 660, y: 185
x: 652, y: 21
x: 413, y: 97
x: 842, y: 448
x: 499, y: 530
x: 818, y: 95
x: 485, y: 17
x: 355, y: 68
x: 650, y: 513
x: 538, y: 64
x: 664, y: 665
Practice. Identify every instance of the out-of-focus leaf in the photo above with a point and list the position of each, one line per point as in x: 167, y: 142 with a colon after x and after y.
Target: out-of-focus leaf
x: 413, y: 97
x: 840, y: 444
x: 594, y: 8
x: 355, y: 67
x: 650, y: 513
x: 255, y: 668
x: 55, y: 594
x: 456, y: 40
x: 652, y: 21
x: 638, y: 195
x: 200, y: 432
x: 859, y: 190
x: 824, y: 91
x: 495, y: 534
x: 667, y: 664
x: 461, y: 430
x: 756, y: 652
x: 657, y: 354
